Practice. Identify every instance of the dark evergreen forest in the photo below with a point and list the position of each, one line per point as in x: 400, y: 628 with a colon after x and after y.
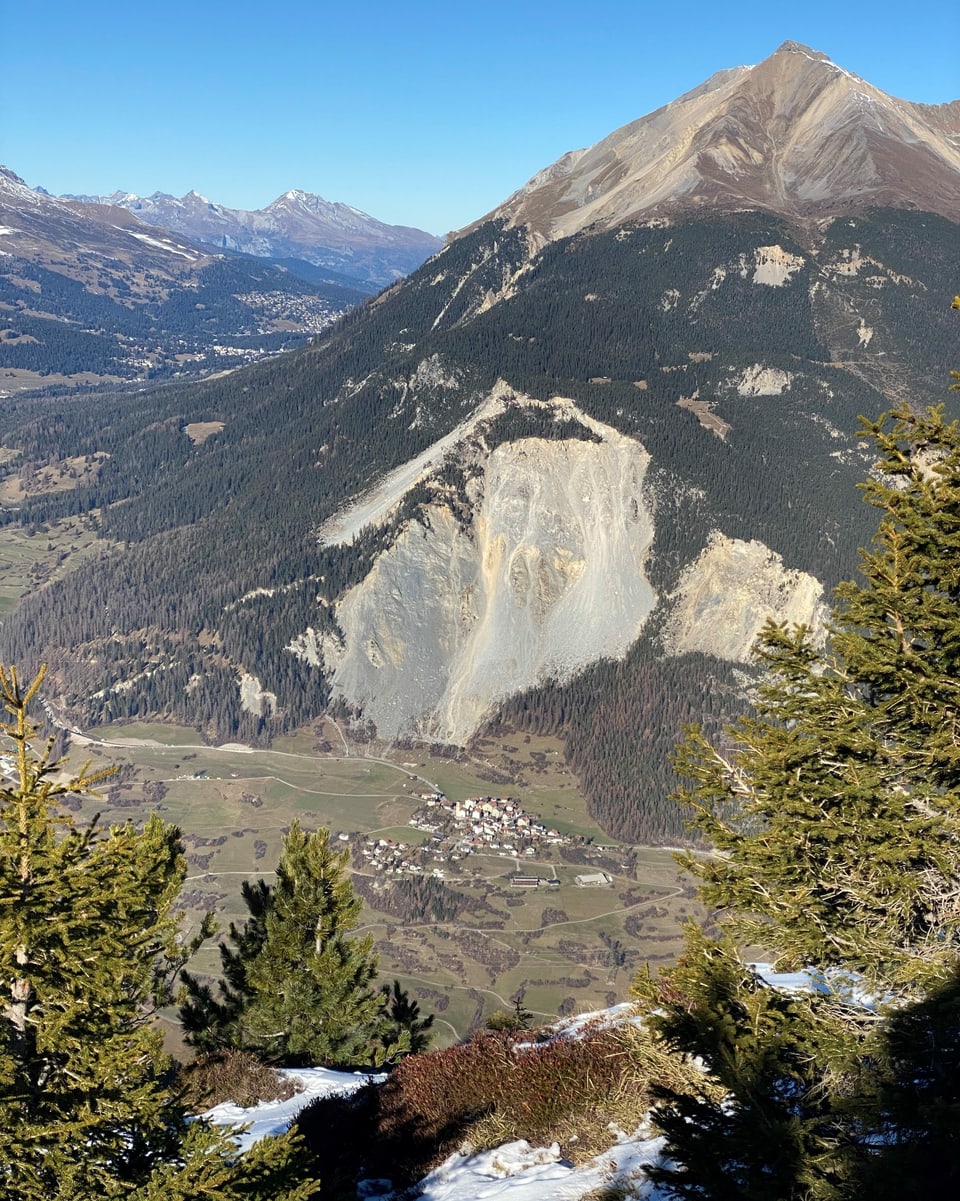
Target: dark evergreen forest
x: 212, y: 564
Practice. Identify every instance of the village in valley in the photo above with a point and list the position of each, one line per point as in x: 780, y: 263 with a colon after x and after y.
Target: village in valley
x: 457, y: 829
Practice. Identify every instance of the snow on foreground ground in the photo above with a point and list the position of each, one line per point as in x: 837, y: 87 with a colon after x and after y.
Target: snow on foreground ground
x: 518, y: 1172
x: 514, y: 1172
x: 274, y: 1117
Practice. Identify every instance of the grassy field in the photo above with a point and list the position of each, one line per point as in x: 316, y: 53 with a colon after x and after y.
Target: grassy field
x: 29, y: 560
x: 565, y: 948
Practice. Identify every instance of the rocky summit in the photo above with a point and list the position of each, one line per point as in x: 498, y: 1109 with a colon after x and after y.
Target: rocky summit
x: 796, y: 135
x: 357, y: 248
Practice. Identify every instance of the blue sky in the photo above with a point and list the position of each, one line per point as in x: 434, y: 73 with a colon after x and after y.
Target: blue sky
x: 423, y: 113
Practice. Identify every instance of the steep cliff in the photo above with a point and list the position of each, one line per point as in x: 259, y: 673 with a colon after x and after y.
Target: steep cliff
x: 730, y: 591
x: 547, y: 577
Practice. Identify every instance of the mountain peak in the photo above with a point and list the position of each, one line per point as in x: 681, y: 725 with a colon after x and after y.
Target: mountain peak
x: 297, y: 225
x: 789, y: 47
x: 796, y: 134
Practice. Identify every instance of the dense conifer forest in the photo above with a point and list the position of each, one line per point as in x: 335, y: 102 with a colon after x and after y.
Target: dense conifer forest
x: 211, y: 562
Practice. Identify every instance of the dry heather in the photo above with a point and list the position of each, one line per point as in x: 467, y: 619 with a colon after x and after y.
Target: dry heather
x: 235, y: 1076
x: 576, y: 1091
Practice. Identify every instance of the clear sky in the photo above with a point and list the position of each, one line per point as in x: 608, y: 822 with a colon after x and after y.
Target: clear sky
x: 421, y: 113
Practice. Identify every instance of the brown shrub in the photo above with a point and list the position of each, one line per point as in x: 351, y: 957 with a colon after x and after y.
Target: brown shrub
x: 235, y: 1076
x: 496, y: 1088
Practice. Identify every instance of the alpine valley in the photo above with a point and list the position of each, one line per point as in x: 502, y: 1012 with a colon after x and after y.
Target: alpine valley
x: 554, y: 481
x: 92, y: 292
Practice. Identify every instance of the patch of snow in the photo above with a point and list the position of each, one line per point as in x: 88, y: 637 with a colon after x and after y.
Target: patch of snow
x: 513, y: 1172
x: 274, y: 1117
x: 184, y: 254
x: 519, y: 1172
x: 845, y: 985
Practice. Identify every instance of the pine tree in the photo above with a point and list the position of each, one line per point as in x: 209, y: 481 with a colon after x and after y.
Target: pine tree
x: 912, y: 1101
x: 298, y: 988
x: 403, y: 1017
x: 762, y: 1126
x: 88, y: 937
x: 836, y: 814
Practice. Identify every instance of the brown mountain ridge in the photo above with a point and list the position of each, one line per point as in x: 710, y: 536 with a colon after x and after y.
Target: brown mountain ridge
x: 795, y: 135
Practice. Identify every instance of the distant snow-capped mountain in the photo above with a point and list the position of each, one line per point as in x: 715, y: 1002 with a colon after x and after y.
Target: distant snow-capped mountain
x: 297, y: 225
x: 90, y: 294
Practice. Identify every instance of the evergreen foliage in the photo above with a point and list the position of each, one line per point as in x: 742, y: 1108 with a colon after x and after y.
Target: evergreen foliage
x: 404, y: 1025
x: 837, y: 811
x: 58, y: 324
x: 88, y: 946
x: 775, y: 1131
x: 297, y: 987
x: 913, y: 1100
x: 834, y: 815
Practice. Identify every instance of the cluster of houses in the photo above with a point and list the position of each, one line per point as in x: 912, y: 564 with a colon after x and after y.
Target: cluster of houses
x: 458, y: 829
x: 483, y: 824
x: 391, y: 857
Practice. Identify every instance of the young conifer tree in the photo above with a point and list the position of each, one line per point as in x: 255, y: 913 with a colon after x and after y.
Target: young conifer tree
x: 836, y: 814
x: 298, y: 987
x: 87, y: 935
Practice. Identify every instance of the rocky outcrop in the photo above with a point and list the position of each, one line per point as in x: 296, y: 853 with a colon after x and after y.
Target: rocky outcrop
x: 254, y: 698
x: 729, y: 593
x: 547, y: 578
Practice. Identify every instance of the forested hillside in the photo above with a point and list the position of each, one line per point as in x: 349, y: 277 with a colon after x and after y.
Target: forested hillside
x: 212, y: 565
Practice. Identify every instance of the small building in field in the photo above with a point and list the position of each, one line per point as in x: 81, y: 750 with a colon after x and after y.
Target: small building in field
x: 594, y: 880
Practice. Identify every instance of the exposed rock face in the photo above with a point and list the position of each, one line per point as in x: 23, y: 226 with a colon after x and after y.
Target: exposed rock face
x: 728, y: 594
x: 254, y: 698
x: 759, y: 380
x: 548, y: 578
x: 795, y: 134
